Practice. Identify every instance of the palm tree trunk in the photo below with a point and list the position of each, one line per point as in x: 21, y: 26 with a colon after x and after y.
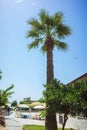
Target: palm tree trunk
x: 50, y: 122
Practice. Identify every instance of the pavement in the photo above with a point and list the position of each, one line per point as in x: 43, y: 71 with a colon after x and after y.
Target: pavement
x: 14, y: 123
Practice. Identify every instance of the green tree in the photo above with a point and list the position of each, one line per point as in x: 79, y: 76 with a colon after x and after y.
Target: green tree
x: 41, y: 100
x: 14, y: 103
x: 81, y: 94
x: 67, y: 99
x: 47, y: 31
x: 26, y: 100
x: 55, y: 95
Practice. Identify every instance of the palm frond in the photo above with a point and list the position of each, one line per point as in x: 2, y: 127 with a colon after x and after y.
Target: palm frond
x: 7, y: 94
x: 34, y: 44
x: 36, y: 28
x: 45, y: 19
x: 63, y: 30
x: 61, y: 45
x: 32, y: 33
x: 58, y: 18
x: 43, y: 49
x: 36, y: 24
x: 33, y: 22
x: 9, y: 88
x: 43, y: 15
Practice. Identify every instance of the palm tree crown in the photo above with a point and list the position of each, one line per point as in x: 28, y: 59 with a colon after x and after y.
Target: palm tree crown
x: 48, y: 31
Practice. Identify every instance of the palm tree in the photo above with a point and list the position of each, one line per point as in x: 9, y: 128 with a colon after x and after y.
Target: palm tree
x: 47, y: 31
x: 4, y: 95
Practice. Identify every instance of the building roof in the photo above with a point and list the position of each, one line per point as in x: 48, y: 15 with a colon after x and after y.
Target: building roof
x: 82, y: 77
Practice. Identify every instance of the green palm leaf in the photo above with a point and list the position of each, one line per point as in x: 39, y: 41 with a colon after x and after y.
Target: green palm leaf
x: 61, y: 45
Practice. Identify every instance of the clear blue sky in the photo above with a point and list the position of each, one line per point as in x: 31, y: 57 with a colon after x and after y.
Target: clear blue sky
x: 27, y: 70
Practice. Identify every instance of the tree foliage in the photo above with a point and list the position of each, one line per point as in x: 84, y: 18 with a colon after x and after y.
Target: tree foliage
x: 14, y: 103
x: 41, y: 100
x: 64, y: 99
x: 26, y: 100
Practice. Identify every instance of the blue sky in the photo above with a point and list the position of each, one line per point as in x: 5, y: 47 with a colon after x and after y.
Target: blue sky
x: 27, y: 69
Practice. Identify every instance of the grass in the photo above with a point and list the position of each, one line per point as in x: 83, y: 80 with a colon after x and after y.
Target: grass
x: 36, y: 127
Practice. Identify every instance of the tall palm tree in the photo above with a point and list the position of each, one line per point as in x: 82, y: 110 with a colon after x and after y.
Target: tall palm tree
x: 47, y: 31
